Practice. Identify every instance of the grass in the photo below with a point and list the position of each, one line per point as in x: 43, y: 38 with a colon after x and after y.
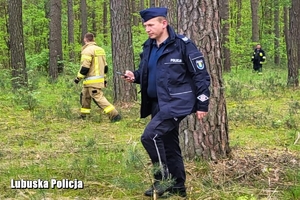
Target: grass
x: 42, y: 138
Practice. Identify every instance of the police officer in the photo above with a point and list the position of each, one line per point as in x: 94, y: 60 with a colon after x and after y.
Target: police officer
x: 174, y: 83
x: 258, y: 58
x: 92, y: 71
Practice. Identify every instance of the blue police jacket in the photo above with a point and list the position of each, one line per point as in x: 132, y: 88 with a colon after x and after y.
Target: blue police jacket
x: 182, y: 79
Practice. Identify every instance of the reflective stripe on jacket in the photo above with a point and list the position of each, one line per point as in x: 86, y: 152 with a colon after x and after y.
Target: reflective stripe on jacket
x: 258, y: 57
x: 94, y: 58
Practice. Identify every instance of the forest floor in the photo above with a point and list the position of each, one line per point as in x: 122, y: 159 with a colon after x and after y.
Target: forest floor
x: 42, y: 138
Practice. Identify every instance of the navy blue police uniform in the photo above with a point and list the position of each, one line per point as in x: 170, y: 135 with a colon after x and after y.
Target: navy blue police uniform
x: 174, y: 83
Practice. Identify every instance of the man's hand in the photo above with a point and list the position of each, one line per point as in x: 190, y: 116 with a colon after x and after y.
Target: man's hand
x: 129, y: 76
x: 76, y: 80
x: 201, y: 114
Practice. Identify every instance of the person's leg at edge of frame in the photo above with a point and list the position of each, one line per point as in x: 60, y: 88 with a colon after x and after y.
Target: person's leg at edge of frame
x: 85, y: 101
x: 104, y: 104
x: 153, y: 144
x: 175, y: 162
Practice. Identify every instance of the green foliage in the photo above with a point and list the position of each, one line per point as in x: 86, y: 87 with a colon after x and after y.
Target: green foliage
x: 44, y: 139
x: 47, y: 141
x: 250, y: 91
x: 5, y: 80
x: 35, y: 27
x: 39, y: 61
x: 27, y: 97
x: 241, y: 45
x: 36, y: 30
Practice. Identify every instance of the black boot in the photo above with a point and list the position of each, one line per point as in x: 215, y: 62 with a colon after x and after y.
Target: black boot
x: 178, y: 191
x: 159, y: 187
x: 116, y: 118
x: 83, y: 117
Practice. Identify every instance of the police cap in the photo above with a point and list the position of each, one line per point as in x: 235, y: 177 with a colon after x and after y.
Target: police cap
x: 153, y: 12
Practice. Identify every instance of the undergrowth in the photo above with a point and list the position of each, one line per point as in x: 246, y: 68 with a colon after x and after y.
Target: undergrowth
x: 42, y: 138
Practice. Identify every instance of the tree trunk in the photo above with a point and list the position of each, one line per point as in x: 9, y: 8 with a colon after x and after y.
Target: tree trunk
x: 83, y: 16
x: 16, y: 44
x: 297, y: 15
x: 122, y: 49
x: 255, y: 21
x: 266, y: 20
x: 277, y: 33
x: 105, y: 23
x: 292, y: 51
x: 224, y: 14
x: 172, y: 11
x: 5, y: 60
x: 93, y: 18
x: 55, y: 40
x: 286, y: 27
x: 200, y: 21
x: 152, y: 3
x: 135, y: 12
x: 239, y: 17
x: 142, y: 5
x: 71, y: 31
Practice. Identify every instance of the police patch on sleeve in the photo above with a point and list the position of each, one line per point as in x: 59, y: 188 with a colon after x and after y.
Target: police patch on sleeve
x: 200, y: 64
x: 202, y: 97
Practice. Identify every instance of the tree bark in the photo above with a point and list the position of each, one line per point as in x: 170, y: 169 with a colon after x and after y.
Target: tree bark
x: 55, y: 40
x: 142, y: 5
x: 153, y: 3
x: 224, y: 14
x: 83, y: 16
x: 122, y: 50
x: 255, y: 21
x: 172, y: 11
x: 93, y: 18
x: 277, y: 33
x: 105, y: 25
x: 16, y: 44
x: 293, y: 45
x: 286, y: 27
x: 135, y: 12
x: 5, y: 61
x: 200, y: 21
x: 71, y: 31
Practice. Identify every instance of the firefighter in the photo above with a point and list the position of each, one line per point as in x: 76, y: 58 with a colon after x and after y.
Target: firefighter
x: 93, y: 70
x: 174, y: 83
x: 258, y: 58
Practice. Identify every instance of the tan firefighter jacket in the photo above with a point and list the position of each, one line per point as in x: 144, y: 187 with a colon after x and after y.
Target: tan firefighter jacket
x: 93, y: 57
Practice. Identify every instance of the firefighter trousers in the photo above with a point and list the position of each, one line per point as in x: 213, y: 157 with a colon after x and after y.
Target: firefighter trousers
x: 89, y: 93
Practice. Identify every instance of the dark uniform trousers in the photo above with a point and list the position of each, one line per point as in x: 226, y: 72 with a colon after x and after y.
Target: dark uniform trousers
x: 160, y: 139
